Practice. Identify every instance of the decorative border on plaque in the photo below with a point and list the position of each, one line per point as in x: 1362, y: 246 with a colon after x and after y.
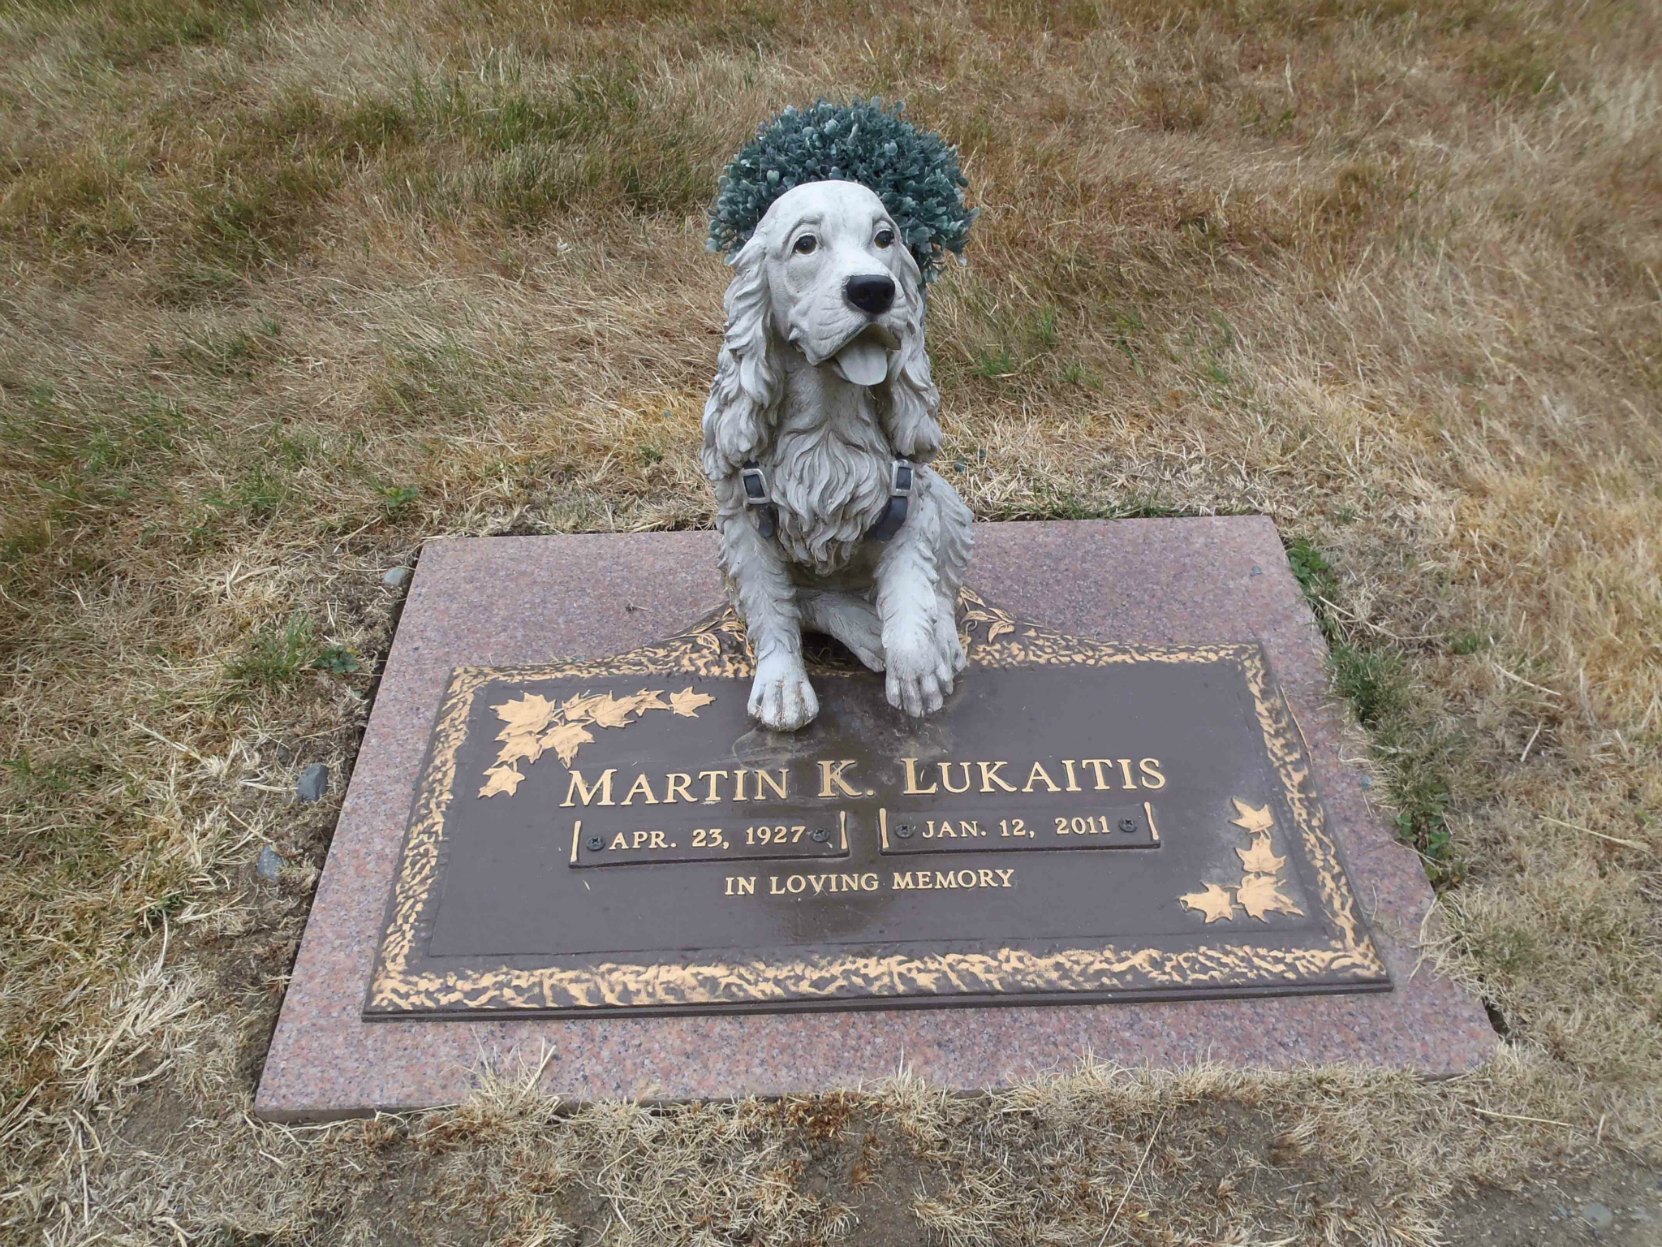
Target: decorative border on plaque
x: 994, y: 638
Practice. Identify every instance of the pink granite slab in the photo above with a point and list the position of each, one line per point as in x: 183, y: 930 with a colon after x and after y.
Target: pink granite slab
x: 509, y: 600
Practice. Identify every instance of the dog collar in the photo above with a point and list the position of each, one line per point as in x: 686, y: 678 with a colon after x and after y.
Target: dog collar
x: 759, y: 501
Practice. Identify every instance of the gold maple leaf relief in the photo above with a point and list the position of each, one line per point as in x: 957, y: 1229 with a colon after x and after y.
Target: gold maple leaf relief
x: 525, y: 716
x: 576, y: 709
x: 1259, y: 892
x: 1215, y: 902
x: 1260, y: 895
x: 501, y: 779
x: 532, y: 724
x: 1260, y: 858
x: 609, y: 711
x: 528, y: 747
x: 686, y: 702
x: 1252, y: 819
x: 565, y: 739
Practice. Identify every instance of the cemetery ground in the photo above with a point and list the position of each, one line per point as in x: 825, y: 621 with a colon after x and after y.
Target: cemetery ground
x: 289, y: 287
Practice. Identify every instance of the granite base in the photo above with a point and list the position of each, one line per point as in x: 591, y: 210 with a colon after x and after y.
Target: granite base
x: 510, y: 600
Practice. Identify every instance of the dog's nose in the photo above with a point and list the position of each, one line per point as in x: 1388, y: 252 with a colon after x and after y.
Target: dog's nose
x: 872, y: 294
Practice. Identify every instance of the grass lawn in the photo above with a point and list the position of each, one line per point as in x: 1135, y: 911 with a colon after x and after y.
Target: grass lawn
x: 289, y: 287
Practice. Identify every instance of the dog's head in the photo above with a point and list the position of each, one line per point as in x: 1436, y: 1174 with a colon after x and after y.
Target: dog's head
x: 836, y: 286
x: 826, y: 274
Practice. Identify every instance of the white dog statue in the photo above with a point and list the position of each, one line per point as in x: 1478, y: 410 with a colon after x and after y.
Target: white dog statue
x: 820, y: 422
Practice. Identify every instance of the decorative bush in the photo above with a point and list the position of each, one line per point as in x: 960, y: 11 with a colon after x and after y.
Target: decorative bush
x: 914, y: 172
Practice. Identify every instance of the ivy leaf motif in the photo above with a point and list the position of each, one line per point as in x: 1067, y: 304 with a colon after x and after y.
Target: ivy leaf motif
x: 564, y: 739
x: 1261, y: 895
x: 1213, y: 901
x: 501, y: 779
x: 999, y: 628
x: 525, y: 716
x: 609, y: 711
x: 1252, y: 818
x: 1260, y: 858
x: 686, y: 702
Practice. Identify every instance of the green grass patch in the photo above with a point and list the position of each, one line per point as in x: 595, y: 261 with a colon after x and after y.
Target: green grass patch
x: 1124, y: 327
x: 1519, y: 68
x: 127, y: 33
x: 1373, y: 681
x: 1076, y: 373
x: 257, y: 496
x: 496, y: 109
x: 1042, y: 333
x: 396, y: 500
x: 235, y: 353
x: 602, y: 139
x: 1467, y: 642
x: 275, y: 655
x: 1176, y: 107
x: 88, y: 459
x: 441, y: 381
x: 1314, y: 573
x: 72, y: 204
x: 337, y: 660
x: 1009, y: 340
x: 247, y: 220
x: 249, y: 191
x: 1063, y: 503
x: 29, y: 778
x: 994, y: 362
x: 1417, y: 761
x: 68, y: 441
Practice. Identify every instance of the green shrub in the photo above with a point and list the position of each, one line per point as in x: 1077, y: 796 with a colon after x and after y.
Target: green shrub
x: 914, y: 172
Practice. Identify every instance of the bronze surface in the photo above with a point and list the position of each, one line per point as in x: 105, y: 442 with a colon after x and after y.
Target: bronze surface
x: 1084, y: 821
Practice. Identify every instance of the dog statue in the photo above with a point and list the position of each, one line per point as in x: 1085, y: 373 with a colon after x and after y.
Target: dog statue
x: 820, y: 421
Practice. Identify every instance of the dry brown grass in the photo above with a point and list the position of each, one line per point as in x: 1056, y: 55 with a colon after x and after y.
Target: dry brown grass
x: 289, y: 287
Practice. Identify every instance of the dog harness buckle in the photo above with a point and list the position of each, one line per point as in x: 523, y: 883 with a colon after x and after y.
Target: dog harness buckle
x: 756, y: 497
x: 900, y: 495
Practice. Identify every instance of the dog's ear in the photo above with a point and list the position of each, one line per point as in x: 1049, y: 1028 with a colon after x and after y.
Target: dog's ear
x: 911, y: 403
x: 746, y: 386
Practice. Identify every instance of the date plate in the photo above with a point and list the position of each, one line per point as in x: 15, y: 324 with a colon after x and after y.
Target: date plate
x: 1082, y: 821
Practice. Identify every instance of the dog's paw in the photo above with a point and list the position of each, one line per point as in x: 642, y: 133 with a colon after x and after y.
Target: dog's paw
x: 781, y: 697
x: 919, y: 677
x: 951, y: 645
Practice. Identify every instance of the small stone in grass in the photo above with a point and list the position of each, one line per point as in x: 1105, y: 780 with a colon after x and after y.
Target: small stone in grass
x: 397, y: 578
x: 269, y: 863
x: 1597, y: 1216
x: 314, y: 782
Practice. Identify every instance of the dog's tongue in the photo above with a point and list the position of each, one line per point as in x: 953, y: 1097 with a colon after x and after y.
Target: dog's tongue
x: 864, y: 362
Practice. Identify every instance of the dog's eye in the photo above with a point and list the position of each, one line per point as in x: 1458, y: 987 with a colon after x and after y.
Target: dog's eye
x: 885, y: 237
x: 806, y: 245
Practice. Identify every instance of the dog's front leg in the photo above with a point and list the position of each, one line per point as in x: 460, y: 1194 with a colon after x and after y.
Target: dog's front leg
x: 920, y: 670
x: 780, y: 695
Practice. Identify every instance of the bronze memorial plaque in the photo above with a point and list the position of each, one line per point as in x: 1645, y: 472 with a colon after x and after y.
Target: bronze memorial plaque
x: 1083, y: 821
